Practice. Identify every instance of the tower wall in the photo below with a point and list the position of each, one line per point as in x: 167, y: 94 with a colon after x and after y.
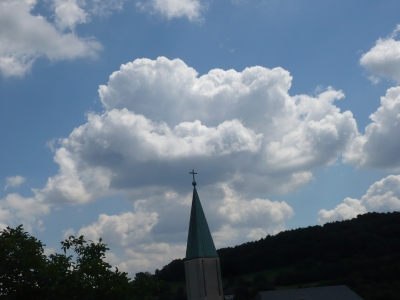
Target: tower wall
x: 203, y: 279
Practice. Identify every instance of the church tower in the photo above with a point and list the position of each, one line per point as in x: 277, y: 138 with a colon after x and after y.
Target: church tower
x: 202, y: 269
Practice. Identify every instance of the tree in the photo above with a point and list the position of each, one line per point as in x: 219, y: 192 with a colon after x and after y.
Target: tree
x: 26, y: 273
x: 144, y: 285
x: 22, y: 264
x: 90, y: 277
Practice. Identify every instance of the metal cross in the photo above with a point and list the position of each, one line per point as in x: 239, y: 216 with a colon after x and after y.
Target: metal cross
x: 192, y: 174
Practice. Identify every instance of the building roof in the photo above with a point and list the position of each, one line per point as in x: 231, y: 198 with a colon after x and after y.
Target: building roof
x: 200, y: 242
x: 339, y: 292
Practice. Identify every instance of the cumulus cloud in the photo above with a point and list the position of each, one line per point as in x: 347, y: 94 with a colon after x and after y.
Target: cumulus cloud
x: 241, y: 128
x: 149, y: 257
x: 73, y: 184
x: 14, y: 181
x: 171, y: 9
x: 384, y: 58
x: 132, y: 231
x: 256, y: 213
x: 242, y: 131
x: 379, y: 147
x: 297, y: 133
x: 156, y: 231
x: 349, y: 209
x: 127, y: 229
x: 15, y: 210
x: 67, y: 233
x: 24, y: 37
x: 48, y: 251
x: 243, y: 219
x: 382, y: 196
x: 68, y: 13
x: 260, y: 139
x: 5, y: 216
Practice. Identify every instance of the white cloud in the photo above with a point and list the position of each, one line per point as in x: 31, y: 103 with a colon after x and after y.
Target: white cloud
x: 379, y: 147
x: 24, y: 37
x: 15, y: 210
x: 226, y: 235
x: 14, y: 181
x: 242, y: 131
x: 156, y: 232
x: 245, y: 220
x: 171, y: 9
x: 68, y: 232
x: 382, y: 196
x: 255, y: 213
x: 384, y: 58
x: 73, y: 184
x: 132, y: 231
x: 150, y: 257
x: 299, y: 133
x: 258, y: 233
x: 127, y: 229
x: 68, y: 13
x: 5, y: 216
x: 240, y: 127
x: 349, y: 209
x: 98, y: 155
x: 155, y: 141
x: 48, y: 251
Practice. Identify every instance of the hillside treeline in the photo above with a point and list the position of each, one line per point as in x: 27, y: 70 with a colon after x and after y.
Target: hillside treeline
x: 362, y: 253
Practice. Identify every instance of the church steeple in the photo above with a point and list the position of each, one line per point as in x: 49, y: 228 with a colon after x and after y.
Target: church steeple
x: 200, y: 242
x: 202, y: 269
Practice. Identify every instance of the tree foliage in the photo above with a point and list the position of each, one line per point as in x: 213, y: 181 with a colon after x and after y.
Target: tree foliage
x: 26, y: 273
x: 144, y: 286
x: 22, y: 263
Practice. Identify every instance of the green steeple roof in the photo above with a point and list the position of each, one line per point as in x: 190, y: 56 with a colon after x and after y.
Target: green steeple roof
x: 200, y: 242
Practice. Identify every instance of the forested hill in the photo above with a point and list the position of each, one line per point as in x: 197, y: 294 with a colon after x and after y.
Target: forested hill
x: 371, y: 235
x: 362, y: 253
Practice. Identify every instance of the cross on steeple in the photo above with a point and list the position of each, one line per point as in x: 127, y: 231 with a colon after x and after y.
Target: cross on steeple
x: 194, y: 182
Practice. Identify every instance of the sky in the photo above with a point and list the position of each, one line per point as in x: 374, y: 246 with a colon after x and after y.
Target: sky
x: 289, y: 111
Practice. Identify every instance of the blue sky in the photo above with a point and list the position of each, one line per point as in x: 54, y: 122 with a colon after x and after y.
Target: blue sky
x: 288, y: 110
